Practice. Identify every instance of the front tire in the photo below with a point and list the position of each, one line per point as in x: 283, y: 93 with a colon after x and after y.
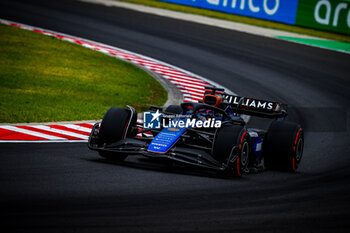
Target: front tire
x: 115, y: 126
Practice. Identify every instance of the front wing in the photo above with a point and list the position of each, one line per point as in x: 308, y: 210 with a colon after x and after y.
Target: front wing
x: 133, y: 146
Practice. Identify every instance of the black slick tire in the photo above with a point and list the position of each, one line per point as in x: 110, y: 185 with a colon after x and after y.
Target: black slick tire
x: 232, y: 147
x: 283, y: 146
x: 114, y: 127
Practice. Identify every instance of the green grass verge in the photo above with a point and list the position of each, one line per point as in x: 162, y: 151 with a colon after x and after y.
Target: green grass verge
x: 241, y: 19
x: 45, y: 79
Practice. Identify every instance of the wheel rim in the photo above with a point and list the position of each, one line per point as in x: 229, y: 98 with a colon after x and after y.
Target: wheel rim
x: 244, y: 154
x: 299, y: 149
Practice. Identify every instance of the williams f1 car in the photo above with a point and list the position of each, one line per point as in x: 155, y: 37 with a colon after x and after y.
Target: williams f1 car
x: 210, y: 134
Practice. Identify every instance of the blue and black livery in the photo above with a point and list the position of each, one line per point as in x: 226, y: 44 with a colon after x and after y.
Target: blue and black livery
x: 232, y: 150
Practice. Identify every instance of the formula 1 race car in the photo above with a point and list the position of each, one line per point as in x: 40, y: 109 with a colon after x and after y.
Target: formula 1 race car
x: 210, y: 134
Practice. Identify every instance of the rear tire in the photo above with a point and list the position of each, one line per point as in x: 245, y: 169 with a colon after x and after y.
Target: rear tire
x: 114, y: 127
x: 232, y: 141
x: 283, y: 146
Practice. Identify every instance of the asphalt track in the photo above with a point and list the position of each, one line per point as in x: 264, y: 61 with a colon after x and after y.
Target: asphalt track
x: 67, y: 188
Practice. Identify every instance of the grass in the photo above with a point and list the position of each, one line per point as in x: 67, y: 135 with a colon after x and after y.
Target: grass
x: 45, y: 79
x: 242, y: 19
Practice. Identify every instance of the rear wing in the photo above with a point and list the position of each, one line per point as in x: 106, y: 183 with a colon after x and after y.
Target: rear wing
x: 255, y: 107
x: 250, y: 106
